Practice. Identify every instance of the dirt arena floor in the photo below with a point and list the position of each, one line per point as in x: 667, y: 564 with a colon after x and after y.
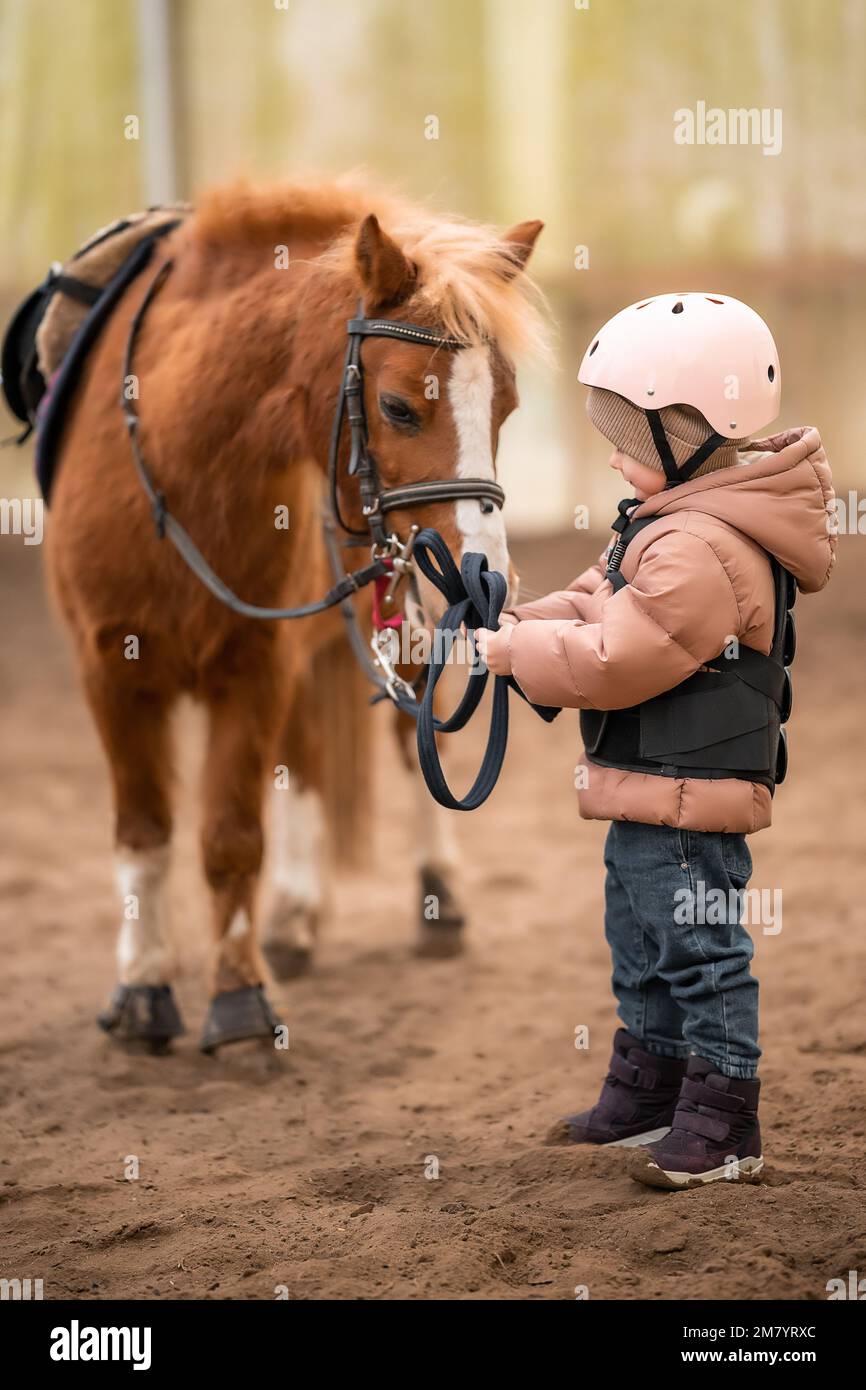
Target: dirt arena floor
x: 307, y: 1169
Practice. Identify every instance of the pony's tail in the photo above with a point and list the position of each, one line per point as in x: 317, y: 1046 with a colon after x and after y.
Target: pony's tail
x: 343, y: 709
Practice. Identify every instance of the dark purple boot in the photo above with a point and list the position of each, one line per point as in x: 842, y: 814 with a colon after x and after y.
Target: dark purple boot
x: 637, y: 1100
x: 715, y: 1133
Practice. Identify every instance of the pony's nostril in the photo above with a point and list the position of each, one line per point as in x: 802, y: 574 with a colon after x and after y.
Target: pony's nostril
x: 486, y: 505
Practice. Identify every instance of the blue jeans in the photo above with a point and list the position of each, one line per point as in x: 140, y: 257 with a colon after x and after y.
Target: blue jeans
x: 681, y: 977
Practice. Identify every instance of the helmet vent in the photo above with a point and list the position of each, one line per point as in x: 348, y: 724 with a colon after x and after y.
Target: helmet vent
x: 593, y: 348
x: 771, y: 372
x: 710, y: 300
x: 645, y: 304
x: 678, y: 307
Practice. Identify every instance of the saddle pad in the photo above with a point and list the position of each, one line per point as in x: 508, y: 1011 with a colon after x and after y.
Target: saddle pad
x: 51, y: 413
x: 46, y: 343
x: 83, y: 277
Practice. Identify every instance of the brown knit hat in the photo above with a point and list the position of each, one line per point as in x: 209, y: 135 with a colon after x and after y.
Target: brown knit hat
x: 627, y: 428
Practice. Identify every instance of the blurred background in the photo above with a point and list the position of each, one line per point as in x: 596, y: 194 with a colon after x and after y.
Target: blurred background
x: 541, y: 108
x: 557, y: 109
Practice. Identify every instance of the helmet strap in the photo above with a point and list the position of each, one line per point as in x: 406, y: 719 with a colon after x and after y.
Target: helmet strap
x: 679, y: 474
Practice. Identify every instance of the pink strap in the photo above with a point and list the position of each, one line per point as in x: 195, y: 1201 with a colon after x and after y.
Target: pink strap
x: 379, y: 589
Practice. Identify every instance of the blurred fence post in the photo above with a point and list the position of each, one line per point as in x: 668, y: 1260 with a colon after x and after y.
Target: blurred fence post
x: 160, y: 77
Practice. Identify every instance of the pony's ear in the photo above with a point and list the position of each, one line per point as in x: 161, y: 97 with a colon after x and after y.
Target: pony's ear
x: 386, y: 275
x: 520, y: 241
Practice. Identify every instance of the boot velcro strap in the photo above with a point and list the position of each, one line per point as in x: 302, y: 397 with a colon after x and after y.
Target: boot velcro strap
x: 704, y: 1125
x: 630, y: 1075
x: 701, y: 1094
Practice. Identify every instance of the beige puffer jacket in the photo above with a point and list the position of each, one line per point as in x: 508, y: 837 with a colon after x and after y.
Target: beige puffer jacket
x: 696, y: 578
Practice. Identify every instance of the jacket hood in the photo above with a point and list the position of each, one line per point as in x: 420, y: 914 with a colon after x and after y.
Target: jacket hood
x: 780, y: 495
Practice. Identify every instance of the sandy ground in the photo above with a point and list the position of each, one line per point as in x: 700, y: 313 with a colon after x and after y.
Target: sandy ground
x: 308, y: 1170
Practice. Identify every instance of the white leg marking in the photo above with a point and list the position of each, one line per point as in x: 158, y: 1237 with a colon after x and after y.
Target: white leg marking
x: 145, y: 955
x: 239, y: 926
x: 297, y: 842
x: 435, y: 837
x: 297, y: 833
x: 470, y: 391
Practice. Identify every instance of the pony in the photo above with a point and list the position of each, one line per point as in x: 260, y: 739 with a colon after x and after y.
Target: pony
x: 237, y: 370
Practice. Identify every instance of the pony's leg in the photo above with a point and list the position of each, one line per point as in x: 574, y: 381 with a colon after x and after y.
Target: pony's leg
x: 239, y: 756
x: 441, y: 918
x: 133, y: 721
x: 297, y: 840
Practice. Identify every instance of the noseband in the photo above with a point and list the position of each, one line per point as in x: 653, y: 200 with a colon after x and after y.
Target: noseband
x: 377, y: 501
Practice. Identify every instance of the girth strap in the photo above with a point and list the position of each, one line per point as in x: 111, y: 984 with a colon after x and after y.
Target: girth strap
x: 78, y: 289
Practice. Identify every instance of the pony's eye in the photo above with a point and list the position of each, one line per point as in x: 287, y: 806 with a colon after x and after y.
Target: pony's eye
x: 398, y: 412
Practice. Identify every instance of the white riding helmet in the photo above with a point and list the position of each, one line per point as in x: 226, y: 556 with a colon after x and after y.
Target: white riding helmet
x: 708, y: 351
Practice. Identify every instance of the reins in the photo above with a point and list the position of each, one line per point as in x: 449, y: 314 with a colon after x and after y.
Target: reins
x: 474, y: 593
x: 475, y: 596
x: 168, y: 526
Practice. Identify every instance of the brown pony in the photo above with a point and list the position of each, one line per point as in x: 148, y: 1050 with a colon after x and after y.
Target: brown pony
x: 237, y: 369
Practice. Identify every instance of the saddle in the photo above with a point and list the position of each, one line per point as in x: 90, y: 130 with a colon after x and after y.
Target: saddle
x: 52, y: 332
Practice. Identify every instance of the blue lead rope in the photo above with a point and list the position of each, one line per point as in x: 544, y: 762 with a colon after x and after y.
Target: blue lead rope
x: 475, y: 595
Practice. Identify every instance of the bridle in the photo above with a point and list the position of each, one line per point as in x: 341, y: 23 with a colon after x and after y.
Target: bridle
x: 390, y: 556
x: 376, y: 501
x: 474, y: 594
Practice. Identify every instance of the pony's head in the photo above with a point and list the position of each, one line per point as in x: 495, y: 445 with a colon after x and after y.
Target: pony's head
x: 433, y: 413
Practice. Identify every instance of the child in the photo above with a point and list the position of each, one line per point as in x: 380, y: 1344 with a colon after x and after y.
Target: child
x: 675, y: 647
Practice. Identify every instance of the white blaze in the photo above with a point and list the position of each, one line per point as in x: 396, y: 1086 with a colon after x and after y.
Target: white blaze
x: 144, y: 949
x: 470, y: 392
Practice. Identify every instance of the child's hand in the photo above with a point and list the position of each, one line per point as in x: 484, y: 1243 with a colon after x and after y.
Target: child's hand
x: 493, y: 648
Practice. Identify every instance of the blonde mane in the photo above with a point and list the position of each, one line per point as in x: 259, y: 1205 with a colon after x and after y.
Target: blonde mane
x: 466, y: 270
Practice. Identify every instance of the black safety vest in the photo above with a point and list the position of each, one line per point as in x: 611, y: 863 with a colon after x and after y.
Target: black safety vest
x: 725, y: 721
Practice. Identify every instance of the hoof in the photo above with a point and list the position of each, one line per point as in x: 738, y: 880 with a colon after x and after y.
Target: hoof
x: 289, y: 938
x: 441, y: 936
x: 287, y: 962
x: 237, y: 1015
x: 439, y: 941
x: 143, y: 1014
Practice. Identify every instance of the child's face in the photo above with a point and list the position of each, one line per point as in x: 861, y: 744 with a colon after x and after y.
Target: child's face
x: 645, y: 481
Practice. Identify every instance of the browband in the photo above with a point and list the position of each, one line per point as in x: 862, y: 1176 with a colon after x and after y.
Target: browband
x: 411, y: 332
